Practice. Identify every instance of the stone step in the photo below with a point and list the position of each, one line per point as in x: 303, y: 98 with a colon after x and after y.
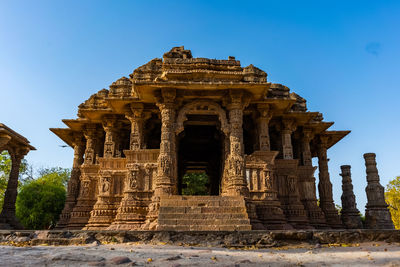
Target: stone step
x: 203, y: 213
x: 221, y: 216
x: 190, y: 210
x: 180, y: 197
x: 200, y: 203
x: 202, y: 227
x: 203, y: 221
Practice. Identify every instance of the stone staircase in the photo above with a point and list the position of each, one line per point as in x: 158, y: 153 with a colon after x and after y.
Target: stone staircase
x: 203, y: 213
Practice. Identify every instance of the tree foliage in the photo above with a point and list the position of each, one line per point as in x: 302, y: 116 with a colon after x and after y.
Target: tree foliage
x: 40, y: 201
x: 392, y: 196
x: 195, y: 184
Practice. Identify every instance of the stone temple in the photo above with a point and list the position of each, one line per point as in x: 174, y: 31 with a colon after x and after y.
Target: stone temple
x: 255, y: 140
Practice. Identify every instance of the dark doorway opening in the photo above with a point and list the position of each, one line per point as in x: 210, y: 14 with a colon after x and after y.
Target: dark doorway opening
x: 199, y: 160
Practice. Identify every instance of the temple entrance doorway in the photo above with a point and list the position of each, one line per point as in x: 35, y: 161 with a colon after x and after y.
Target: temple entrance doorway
x: 200, y: 153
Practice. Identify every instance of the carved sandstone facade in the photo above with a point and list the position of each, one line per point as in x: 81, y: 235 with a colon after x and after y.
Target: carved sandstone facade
x: 254, y: 139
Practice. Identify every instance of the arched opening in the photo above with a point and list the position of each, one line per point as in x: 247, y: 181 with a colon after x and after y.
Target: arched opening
x: 200, y: 148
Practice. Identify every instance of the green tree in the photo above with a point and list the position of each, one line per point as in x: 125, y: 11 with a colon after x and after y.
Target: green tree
x: 25, y: 173
x: 392, y: 196
x: 40, y: 201
x: 195, y: 184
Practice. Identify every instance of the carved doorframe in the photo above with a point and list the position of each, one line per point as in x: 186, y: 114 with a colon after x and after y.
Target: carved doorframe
x: 205, y: 107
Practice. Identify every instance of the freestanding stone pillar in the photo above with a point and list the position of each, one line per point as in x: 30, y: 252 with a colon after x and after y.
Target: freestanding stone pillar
x: 350, y: 215
x: 377, y: 215
x: 325, y: 186
x: 7, y: 215
x: 73, y: 183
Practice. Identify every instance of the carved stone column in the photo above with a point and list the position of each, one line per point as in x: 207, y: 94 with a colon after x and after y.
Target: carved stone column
x: 135, y: 116
x: 235, y: 182
x: 307, y: 186
x: 289, y: 126
x: 88, y: 180
x: 166, y: 177
x: 263, y: 129
x: 350, y: 215
x: 111, y: 143
x: 7, y: 215
x: 166, y: 181
x: 325, y: 186
x: 91, y: 138
x: 73, y: 183
x: 377, y: 215
x: 287, y: 179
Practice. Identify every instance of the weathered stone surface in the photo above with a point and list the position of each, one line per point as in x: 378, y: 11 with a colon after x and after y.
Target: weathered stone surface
x: 260, y: 239
x: 377, y: 215
x: 255, y: 140
x: 350, y: 215
x: 17, y: 146
x: 120, y: 260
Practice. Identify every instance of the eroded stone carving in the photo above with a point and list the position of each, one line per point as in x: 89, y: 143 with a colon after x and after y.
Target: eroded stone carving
x: 377, y: 215
x: 350, y: 215
x: 133, y: 161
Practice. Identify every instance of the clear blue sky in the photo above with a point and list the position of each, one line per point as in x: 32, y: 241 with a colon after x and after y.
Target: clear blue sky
x: 342, y: 56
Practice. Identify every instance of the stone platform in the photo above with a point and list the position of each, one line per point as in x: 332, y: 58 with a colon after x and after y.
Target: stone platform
x: 203, y: 213
x: 239, y: 239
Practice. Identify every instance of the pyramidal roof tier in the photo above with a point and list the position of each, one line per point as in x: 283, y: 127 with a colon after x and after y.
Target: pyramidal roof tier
x: 178, y: 69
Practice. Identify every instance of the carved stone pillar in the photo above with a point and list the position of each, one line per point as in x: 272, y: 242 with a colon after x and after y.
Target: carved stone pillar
x: 325, y: 186
x: 111, y: 143
x: 166, y: 181
x: 88, y: 180
x: 166, y: 177
x: 263, y: 129
x: 350, y: 215
x: 104, y: 210
x: 73, y: 183
x: 91, y: 138
x: 7, y: 215
x: 307, y: 188
x: 135, y: 116
x: 131, y: 212
x: 289, y: 126
x: 377, y: 215
x: 235, y: 182
x: 263, y: 191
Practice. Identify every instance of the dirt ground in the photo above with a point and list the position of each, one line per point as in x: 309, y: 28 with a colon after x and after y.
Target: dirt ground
x: 131, y: 254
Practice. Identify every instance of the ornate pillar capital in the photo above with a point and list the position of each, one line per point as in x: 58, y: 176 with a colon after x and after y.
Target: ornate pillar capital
x: 236, y: 99
x: 288, y: 125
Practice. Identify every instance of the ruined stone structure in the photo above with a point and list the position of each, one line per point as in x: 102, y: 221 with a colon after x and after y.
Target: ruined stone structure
x: 350, y: 215
x: 254, y: 139
x: 17, y: 146
x: 377, y: 215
